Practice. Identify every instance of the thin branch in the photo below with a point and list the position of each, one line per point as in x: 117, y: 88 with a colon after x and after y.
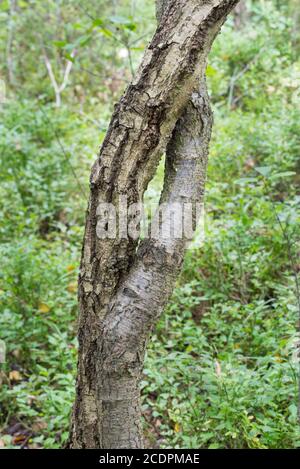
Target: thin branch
x: 58, y: 88
x: 67, y: 72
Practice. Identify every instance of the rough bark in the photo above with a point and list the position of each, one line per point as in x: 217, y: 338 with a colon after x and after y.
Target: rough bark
x: 123, y: 285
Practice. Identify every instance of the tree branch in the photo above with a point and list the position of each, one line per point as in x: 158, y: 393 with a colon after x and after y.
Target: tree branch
x: 58, y: 89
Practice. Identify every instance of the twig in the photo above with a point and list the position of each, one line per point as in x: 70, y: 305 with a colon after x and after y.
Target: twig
x: 58, y: 88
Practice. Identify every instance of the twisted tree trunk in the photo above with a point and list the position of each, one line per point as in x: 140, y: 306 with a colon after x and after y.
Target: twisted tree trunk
x: 125, y: 284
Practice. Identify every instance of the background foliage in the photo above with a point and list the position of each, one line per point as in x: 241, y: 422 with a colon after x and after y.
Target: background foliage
x: 221, y: 369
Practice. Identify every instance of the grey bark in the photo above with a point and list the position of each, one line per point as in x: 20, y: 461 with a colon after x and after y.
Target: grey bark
x: 240, y: 15
x: 123, y: 285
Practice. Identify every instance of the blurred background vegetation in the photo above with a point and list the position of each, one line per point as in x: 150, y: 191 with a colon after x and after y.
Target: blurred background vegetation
x: 221, y: 369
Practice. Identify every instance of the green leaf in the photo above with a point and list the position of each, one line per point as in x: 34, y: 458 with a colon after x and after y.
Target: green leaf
x: 210, y: 71
x: 69, y: 57
x: 98, y: 22
x: 214, y: 446
x: 83, y: 40
x: 119, y: 19
x: 106, y: 32
x: 243, y: 181
x: 293, y: 411
x: 60, y: 44
x: 264, y: 170
x: 284, y: 174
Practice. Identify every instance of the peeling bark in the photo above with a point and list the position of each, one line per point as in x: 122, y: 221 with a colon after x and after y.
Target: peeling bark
x: 123, y: 285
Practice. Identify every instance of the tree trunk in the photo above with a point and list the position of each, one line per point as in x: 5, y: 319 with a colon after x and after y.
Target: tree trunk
x: 240, y: 15
x: 125, y: 284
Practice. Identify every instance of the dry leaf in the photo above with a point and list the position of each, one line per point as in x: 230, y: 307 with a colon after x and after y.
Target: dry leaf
x: 72, y: 287
x: 278, y: 358
x: 43, y: 308
x: 39, y: 425
x: 71, y: 267
x: 218, y: 369
x: 31, y: 399
x: 15, y: 375
x: 16, y: 353
x: 177, y: 427
x: 250, y: 163
x: 19, y: 439
x: 34, y: 446
x: 3, y: 377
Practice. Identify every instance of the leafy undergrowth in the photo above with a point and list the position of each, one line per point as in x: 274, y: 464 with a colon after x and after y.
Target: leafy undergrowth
x: 222, y: 367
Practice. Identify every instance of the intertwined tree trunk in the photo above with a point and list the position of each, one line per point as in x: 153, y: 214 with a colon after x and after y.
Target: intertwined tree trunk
x: 125, y: 284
